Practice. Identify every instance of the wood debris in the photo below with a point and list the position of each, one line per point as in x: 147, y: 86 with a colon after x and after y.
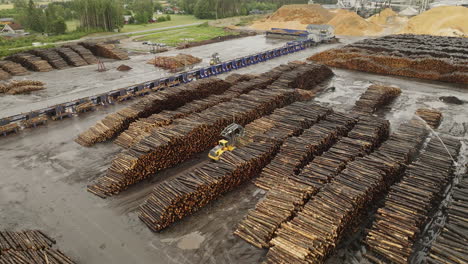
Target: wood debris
x: 431, y: 116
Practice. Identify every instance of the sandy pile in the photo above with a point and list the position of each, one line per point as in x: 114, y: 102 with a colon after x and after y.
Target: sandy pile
x: 440, y: 21
x: 383, y: 17
x: 299, y: 16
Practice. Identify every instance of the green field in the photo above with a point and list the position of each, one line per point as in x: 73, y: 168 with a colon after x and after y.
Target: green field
x: 176, y: 20
x: 190, y: 34
x: 10, y: 6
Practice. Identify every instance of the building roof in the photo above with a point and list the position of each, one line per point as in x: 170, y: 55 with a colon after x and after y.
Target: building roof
x: 16, y: 26
x: 6, y: 19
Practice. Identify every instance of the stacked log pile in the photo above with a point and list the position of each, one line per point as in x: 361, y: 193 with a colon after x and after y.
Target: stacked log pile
x: 297, y: 78
x: 13, y: 68
x: 215, y: 40
x: 168, y: 99
x: 4, y: 75
x: 288, y: 192
x: 106, y: 50
x: 71, y: 57
x: 85, y: 53
x: 405, y: 213
x: 171, y: 145
x: 21, y: 87
x: 434, y: 58
x: 52, y: 57
x: 31, y: 62
x: 31, y: 246
x: 450, y: 245
x: 174, y: 62
x: 235, y: 78
x: 431, y: 116
x: 9, y: 128
x: 316, y: 230
x: 197, y: 188
x: 34, y: 122
x: 374, y: 97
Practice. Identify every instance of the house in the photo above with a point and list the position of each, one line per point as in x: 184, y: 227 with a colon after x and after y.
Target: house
x: 13, y: 28
x: 6, y: 21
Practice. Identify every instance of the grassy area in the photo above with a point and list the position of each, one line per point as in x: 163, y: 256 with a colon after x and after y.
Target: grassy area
x: 72, y: 25
x: 176, y: 20
x: 9, y: 6
x: 193, y: 33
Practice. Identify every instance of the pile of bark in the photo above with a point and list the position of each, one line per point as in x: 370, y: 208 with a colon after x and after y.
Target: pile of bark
x: 215, y: 40
x: 52, y: 57
x: 431, y: 60
x: 71, y: 57
x: 450, y: 245
x: 31, y: 62
x: 31, y: 246
x: 106, y: 50
x: 374, y: 97
x: 431, y: 116
x: 409, y: 203
x: 124, y: 67
x: 315, y: 231
x: 21, y: 87
x: 85, y: 53
x: 169, y: 99
x: 171, y: 145
x: 13, y: 68
x: 174, y: 62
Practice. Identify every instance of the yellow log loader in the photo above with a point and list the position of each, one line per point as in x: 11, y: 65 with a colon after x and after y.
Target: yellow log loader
x: 231, y: 135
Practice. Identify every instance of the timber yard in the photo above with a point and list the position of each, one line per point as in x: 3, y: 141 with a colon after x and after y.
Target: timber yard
x: 311, y: 134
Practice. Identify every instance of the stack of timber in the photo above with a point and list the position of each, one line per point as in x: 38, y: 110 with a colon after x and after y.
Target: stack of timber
x: 106, y: 50
x: 235, y: 78
x: 214, y: 40
x: 407, y: 208
x: 431, y: 116
x: 31, y: 246
x: 34, y: 122
x: 31, y: 62
x: 290, y: 190
x: 13, y: 68
x: 169, y: 99
x: 4, y: 75
x: 85, y: 107
x: 420, y: 56
x: 450, y: 245
x: 171, y: 145
x: 52, y: 57
x: 298, y: 77
x: 174, y: 62
x: 374, y: 97
x: 315, y: 231
x: 85, y: 53
x: 71, y: 57
x: 22, y: 87
x: 9, y: 129
x: 172, y: 200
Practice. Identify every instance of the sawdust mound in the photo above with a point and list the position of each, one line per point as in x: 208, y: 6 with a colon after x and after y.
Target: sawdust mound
x: 351, y: 24
x: 440, y: 21
x: 295, y: 17
x: 383, y: 17
x: 124, y: 67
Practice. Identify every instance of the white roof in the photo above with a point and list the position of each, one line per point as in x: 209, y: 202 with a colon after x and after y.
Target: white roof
x: 409, y: 11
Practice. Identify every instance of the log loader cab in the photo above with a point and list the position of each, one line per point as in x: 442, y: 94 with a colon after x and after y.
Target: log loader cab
x: 231, y: 133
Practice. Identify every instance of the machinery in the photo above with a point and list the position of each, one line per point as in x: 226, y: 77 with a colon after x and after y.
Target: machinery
x: 215, y: 59
x: 231, y: 135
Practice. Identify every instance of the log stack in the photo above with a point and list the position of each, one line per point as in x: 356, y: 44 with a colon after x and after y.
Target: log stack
x: 174, y: 62
x: 52, y: 57
x: 106, y: 50
x: 31, y: 246
x: 409, y: 203
x: 374, y: 97
x: 13, y: 68
x: 168, y: 99
x: 450, y: 245
x: 298, y: 77
x: 31, y: 62
x: 71, y: 57
x: 4, y: 75
x: 22, y: 87
x: 431, y: 116
x: 85, y: 53
x: 319, y: 227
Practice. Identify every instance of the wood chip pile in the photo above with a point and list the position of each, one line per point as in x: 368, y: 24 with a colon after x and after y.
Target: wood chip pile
x: 13, y: 68
x: 450, y: 245
x: 406, y: 211
x: 21, y: 87
x: 316, y: 230
x: 174, y: 62
x: 106, y: 50
x: 113, y: 124
x: 52, y: 57
x: 420, y: 56
x: 32, y: 246
x: 71, y: 57
x: 374, y: 97
x: 431, y: 116
x: 85, y: 53
x: 31, y: 62
x: 171, y: 145
x: 174, y: 199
